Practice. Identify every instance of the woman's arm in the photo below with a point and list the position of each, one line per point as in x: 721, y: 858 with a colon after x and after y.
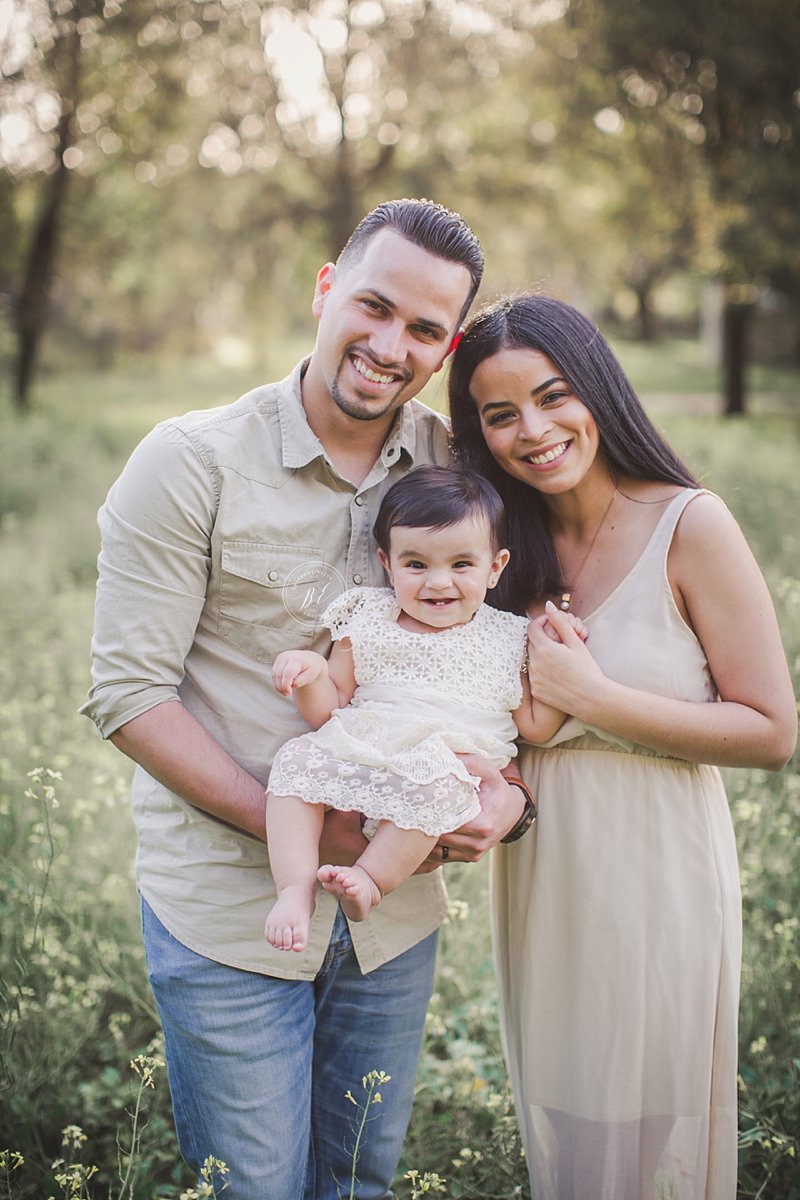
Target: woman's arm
x: 721, y: 593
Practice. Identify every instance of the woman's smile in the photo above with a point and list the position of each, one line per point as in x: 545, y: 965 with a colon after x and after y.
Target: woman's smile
x: 533, y: 422
x: 544, y: 457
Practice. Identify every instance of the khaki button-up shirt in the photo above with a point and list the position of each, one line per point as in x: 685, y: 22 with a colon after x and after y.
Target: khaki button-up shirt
x: 223, y: 540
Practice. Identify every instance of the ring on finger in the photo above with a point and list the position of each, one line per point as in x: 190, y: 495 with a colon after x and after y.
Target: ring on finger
x: 445, y: 853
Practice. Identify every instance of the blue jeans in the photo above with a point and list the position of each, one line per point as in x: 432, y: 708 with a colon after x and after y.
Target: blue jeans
x: 259, y: 1067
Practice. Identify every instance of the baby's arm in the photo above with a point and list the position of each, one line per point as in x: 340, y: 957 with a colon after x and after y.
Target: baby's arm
x: 538, y: 722
x: 318, y: 685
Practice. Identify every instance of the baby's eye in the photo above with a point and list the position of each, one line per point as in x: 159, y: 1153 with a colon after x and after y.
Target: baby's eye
x: 462, y: 563
x: 416, y: 566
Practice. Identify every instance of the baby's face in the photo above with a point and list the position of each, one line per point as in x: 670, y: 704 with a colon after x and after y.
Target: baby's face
x: 440, y: 576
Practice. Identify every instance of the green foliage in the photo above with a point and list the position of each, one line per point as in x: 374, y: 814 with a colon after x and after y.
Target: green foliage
x: 75, y: 1008
x: 220, y: 153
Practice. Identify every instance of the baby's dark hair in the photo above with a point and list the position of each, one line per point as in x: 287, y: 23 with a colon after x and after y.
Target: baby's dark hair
x: 437, y: 497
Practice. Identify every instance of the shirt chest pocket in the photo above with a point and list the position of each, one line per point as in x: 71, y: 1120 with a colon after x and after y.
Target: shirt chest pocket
x: 268, y: 597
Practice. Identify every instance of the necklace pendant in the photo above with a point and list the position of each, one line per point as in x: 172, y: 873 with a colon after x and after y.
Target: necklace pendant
x: 564, y: 602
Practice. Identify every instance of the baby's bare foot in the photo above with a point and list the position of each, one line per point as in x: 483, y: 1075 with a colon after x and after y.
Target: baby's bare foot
x: 287, y: 923
x: 357, y: 891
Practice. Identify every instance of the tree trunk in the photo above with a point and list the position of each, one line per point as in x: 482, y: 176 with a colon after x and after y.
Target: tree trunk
x: 644, y: 313
x: 34, y: 292
x: 735, y: 330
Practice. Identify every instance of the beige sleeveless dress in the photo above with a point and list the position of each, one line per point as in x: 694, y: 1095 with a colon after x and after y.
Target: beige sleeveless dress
x: 617, y: 925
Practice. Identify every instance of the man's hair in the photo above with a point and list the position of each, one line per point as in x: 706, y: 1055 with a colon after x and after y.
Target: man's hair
x: 430, y: 226
x: 438, y: 497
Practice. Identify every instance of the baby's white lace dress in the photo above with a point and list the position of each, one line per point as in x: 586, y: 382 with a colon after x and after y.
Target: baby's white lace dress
x: 421, y: 699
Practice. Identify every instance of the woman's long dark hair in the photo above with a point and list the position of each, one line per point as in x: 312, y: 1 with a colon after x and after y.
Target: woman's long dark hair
x: 630, y: 443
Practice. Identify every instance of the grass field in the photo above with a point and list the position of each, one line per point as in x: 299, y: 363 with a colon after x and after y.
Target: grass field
x: 75, y: 1008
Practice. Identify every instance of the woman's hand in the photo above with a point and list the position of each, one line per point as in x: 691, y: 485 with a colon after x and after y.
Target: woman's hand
x: 561, y: 670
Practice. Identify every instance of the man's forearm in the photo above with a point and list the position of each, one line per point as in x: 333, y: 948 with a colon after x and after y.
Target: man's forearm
x: 176, y: 750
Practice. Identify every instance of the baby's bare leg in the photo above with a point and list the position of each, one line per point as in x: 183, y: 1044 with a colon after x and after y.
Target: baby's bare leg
x: 390, y: 858
x: 293, y: 833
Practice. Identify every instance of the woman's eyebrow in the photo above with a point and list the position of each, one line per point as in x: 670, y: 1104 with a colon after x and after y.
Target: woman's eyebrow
x: 535, y: 392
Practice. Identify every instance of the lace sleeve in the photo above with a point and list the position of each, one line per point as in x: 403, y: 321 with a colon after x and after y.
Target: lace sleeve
x: 340, y: 612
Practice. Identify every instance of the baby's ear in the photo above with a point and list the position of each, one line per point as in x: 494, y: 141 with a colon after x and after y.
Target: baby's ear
x: 498, y: 566
x: 383, y: 559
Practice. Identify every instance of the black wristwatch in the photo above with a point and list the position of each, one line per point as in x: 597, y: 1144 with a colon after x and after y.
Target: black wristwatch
x: 528, y: 814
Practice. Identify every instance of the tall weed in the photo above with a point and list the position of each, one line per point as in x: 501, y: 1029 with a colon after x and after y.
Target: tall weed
x: 75, y: 1009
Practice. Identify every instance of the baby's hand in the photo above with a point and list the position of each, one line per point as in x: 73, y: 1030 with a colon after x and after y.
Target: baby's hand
x: 576, y: 623
x: 295, y: 669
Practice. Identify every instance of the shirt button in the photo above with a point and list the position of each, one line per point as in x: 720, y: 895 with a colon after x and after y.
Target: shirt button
x: 273, y: 575
x: 358, y: 578
x: 359, y: 500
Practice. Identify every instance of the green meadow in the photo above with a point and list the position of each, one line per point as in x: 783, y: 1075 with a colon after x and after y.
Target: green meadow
x: 84, y: 1107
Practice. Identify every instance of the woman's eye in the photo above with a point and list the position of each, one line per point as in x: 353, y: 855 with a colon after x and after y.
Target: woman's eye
x: 553, y: 397
x: 501, y: 418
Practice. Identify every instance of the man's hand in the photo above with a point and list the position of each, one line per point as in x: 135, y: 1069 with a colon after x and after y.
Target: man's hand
x: 342, y: 840
x: 501, y: 808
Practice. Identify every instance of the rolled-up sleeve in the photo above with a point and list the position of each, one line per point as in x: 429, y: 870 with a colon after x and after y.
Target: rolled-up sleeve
x: 153, y: 570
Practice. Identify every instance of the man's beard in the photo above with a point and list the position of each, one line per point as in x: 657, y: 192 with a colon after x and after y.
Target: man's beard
x: 360, y: 410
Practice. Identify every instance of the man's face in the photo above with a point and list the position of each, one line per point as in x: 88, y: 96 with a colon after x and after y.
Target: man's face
x: 386, y: 323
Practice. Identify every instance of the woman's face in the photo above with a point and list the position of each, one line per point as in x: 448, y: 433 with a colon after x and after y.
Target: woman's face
x: 536, y: 428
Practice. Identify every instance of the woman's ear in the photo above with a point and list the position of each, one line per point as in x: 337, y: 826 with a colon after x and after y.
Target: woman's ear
x: 498, y: 566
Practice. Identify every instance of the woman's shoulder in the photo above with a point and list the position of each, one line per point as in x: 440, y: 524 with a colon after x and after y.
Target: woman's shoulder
x: 703, y: 517
x: 707, y: 542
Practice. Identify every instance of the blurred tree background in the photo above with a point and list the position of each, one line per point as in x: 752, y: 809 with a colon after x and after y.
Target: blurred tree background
x: 173, y: 171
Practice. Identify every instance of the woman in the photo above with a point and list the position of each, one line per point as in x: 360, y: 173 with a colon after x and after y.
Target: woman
x: 618, y: 922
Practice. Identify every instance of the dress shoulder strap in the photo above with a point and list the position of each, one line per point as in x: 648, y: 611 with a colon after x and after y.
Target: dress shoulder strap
x: 662, y: 536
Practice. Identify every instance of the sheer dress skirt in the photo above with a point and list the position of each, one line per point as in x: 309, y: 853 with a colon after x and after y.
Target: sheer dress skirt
x: 617, y: 932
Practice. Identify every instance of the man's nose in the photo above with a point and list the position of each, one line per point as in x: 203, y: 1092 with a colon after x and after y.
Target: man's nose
x: 388, y: 343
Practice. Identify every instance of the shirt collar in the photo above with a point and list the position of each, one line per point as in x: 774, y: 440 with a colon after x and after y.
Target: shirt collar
x: 300, y: 445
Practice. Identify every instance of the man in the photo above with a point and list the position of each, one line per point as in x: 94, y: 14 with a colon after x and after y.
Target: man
x: 222, y: 541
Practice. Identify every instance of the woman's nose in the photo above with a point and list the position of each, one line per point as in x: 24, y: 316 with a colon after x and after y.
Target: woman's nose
x: 534, y: 423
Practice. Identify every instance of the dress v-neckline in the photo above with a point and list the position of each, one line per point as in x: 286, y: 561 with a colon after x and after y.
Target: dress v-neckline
x: 682, y: 495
